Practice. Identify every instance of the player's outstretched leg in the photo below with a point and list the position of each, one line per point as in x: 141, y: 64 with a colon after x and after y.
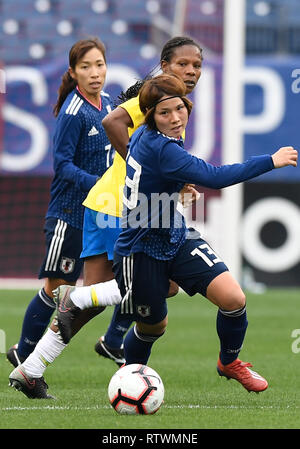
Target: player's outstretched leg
x: 231, y: 327
x: 232, y: 324
x: 33, y: 388
x: 28, y: 376
x: 240, y: 371
x: 66, y: 311
x: 70, y: 300
x: 35, y: 322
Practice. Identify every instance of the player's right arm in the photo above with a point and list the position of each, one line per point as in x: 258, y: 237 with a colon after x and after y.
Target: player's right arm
x: 116, y: 125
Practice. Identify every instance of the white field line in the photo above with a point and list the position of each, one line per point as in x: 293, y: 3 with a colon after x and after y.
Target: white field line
x: 196, y: 406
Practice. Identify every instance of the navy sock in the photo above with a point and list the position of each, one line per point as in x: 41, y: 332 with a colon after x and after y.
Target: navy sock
x: 231, y: 328
x: 137, y: 347
x: 35, y: 322
x: 119, y: 325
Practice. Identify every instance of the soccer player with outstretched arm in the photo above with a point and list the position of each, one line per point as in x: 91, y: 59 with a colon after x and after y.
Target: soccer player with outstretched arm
x: 180, y: 55
x: 155, y: 245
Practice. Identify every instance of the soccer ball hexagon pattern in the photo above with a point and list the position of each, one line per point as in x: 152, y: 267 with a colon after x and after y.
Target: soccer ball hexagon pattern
x: 136, y: 390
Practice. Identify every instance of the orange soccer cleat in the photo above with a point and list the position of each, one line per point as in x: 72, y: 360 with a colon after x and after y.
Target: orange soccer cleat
x: 240, y: 371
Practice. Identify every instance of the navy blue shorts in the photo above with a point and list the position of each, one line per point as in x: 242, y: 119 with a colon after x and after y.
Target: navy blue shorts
x: 64, y: 244
x: 144, y: 281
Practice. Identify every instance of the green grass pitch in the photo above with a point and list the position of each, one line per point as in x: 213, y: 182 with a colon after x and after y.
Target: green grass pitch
x: 195, y: 396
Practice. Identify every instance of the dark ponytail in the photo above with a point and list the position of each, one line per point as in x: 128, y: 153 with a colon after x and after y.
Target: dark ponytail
x: 78, y: 50
x: 67, y: 85
x: 132, y: 91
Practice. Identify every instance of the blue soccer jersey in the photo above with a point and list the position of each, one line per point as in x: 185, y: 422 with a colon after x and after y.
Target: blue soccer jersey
x: 81, y: 152
x: 157, y: 167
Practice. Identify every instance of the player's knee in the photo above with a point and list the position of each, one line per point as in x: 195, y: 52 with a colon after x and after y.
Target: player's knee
x: 156, y: 329
x: 150, y: 338
x: 173, y: 289
x: 234, y: 301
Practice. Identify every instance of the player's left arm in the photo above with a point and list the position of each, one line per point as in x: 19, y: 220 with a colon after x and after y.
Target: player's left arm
x: 65, y: 146
x: 178, y: 164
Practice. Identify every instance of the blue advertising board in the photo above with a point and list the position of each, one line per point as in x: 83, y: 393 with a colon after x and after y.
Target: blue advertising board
x: 271, y: 214
x: 271, y: 118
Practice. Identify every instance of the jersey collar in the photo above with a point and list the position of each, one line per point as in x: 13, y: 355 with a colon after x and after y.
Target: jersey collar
x: 86, y: 99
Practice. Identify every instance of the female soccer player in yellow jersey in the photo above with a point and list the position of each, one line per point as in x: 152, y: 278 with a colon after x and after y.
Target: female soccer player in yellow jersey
x: 181, y: 56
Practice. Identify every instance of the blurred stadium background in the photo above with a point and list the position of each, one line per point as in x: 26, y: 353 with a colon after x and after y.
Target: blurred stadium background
x: 35, y: 37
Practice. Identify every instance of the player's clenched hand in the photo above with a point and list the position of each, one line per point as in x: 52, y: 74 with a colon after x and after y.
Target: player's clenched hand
x: 188, y: 195
x: 285, y: 156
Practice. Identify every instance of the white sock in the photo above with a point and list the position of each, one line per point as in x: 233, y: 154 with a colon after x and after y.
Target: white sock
x: 102, y: 294
x: 46, y: 351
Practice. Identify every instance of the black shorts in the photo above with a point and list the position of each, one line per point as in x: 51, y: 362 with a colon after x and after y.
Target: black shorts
x: 144, y: 281
x: 64, y: 245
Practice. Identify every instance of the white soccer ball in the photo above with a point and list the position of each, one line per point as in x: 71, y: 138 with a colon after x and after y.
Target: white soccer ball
x: 136, y: 390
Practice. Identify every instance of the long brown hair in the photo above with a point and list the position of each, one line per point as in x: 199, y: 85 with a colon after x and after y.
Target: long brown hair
x: 78, y: 50
x: 156, y: 88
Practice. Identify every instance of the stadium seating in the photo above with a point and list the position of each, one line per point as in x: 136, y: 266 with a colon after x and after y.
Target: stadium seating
x: 272, y: 25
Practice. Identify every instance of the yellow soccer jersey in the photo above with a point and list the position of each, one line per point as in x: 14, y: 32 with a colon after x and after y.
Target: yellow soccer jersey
x: 106, y: 195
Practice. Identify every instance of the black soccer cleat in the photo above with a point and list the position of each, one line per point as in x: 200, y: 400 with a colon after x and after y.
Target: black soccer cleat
x: 33, y: 388
x: 114, y: 354
x: 66, y: 311
x: 14, y: 357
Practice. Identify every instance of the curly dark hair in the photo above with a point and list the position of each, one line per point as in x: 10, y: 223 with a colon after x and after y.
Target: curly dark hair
x: 166, y: 55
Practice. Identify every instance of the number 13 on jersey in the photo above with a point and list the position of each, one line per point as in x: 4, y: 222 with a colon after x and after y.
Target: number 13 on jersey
x: 205, y: 253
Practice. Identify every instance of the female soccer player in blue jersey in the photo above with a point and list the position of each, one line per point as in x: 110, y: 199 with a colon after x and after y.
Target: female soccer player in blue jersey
x: 155, y: 245
x: 180, y: 55
x: 81, y: 153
